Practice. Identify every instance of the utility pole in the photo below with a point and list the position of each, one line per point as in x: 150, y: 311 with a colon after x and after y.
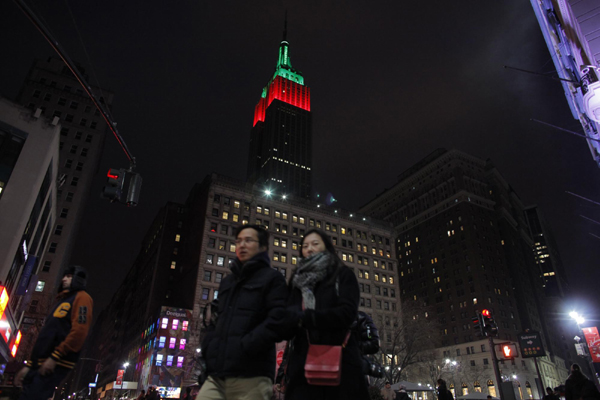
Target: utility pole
x: 496, y: 368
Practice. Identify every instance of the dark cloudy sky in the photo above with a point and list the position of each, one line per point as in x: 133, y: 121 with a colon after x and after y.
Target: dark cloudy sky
x: 390, y: 81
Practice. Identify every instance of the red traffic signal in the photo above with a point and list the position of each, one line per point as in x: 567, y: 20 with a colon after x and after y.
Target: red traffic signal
x: 486, y: 313
x: 114, y: 184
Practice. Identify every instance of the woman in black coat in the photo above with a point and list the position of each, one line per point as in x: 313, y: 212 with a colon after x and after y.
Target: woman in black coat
x: 323, y: 303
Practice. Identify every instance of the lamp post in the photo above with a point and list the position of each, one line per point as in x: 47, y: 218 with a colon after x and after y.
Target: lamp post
x: 579, y: 320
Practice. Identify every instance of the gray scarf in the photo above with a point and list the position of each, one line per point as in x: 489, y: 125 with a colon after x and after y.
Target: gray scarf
x: 311, y: 270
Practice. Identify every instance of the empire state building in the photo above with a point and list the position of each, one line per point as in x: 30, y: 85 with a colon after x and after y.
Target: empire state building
x: 280, y: 156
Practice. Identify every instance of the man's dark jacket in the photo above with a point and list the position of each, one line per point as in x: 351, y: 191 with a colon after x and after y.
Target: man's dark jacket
x: 251, y: 317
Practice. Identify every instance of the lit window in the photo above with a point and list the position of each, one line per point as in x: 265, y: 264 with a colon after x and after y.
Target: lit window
x: 180, y: 362
x: 177, y: 238
x: 294, y: 260
x: 169, y: 361
x: 161, y: 342
x: 236, y: 204
x: 184, y: 325
x: 175, y: 324
x: 182, y: 344
x: 173, y: 264
x: 284, y: 216
x: 236, y: 217
x: 165, y: 323
x: 259, y: 210
x: 40, y: 286
x: 172, y: 342
x: 232, y: 247
x: 159, y: 359
x: 366, y: 274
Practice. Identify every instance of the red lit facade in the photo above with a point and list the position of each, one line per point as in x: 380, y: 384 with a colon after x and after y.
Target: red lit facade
x: 286, y: 91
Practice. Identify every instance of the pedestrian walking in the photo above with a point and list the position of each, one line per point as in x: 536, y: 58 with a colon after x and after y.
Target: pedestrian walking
x: 323, y: 306
x: 240, y: 351
x: 579, y: 387
x: 550, y: 394
x: 442, y: 391
x: 387, y: 392
x: 402, y: 395
x: 57, y: 347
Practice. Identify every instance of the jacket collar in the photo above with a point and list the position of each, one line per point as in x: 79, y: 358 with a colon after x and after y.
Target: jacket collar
x: 242, y: 271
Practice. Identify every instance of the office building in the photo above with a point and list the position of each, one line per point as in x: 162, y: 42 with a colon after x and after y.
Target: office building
x: 463, y: 245
x: 28, y: 170
x: 280, y: 157
x: 51, y: 87
x: 570, y: 29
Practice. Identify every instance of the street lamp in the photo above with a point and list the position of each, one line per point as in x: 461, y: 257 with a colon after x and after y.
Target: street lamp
x: 580, y: 320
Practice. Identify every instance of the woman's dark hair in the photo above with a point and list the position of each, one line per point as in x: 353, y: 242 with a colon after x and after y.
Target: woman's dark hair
x: 441, y: 382
x: 263, y: 235
x: 337, y: 263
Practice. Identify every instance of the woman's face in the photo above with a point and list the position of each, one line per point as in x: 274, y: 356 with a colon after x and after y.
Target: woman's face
x: 312, y: 244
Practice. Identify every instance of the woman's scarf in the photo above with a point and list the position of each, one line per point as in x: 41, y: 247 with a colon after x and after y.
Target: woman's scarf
x: 311, y: 270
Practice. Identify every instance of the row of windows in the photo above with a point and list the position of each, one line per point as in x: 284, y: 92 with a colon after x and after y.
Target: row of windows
x: 385, y: 305
x: 300, y: 219
x: 377, y: 277
x: 172, y: 342
x: 169, y: 362
x: 366, y: 288
x: 78, y: 135
x: 164, y: 324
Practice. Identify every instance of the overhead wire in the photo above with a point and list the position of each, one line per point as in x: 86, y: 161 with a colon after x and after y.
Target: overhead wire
x: 87, y: 55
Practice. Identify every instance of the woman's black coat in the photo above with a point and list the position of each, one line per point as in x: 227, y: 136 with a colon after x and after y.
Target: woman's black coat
x: 336, y: 309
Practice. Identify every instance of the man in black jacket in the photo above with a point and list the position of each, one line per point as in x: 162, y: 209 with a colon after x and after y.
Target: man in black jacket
x: 240, y: 352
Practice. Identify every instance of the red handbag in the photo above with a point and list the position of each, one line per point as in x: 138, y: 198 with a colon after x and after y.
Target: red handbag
x: 323, y: 365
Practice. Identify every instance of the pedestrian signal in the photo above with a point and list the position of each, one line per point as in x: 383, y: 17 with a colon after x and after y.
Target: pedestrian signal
x: 506, y: 351
x: 114, y: 184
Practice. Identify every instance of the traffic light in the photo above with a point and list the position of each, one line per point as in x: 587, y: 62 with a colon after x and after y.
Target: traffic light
x: 506, y: 351
x: 489, y: 325
x: 114, y: 184
x: 478, y: 324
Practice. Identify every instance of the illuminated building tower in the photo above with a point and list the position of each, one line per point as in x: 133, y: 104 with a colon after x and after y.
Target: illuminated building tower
x: 280, y: 155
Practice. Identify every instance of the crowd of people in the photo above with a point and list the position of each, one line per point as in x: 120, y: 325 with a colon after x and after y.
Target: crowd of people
x: 316, y: 313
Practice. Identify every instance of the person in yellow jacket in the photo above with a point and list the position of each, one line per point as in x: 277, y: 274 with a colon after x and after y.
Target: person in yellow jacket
x: 60, y: 341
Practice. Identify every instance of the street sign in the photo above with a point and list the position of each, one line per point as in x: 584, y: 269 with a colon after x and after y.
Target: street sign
x: 120, y: 374
x: 531, y: 344
x: 93, y: 384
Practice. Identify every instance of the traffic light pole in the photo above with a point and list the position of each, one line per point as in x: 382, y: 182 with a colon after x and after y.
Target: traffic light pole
x: 496, y: 368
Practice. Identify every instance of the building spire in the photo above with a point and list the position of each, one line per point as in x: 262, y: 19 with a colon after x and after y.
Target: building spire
x: 285, y: 27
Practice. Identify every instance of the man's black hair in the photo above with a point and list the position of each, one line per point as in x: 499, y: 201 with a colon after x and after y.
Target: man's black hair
x: 263, y: 235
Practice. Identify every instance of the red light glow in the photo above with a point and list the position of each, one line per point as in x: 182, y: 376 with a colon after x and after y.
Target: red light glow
x: 3, y: 300
x: 507, y: 351
x: 485, y: 313
x: 286, y: 91
x: 15, y: 346
x: 111, y: 175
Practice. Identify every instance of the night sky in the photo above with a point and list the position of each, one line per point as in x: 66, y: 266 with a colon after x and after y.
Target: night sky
x: 390, y: 82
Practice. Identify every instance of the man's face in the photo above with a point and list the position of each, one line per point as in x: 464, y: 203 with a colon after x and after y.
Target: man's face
x: 387, y: 385
x: 66, y: 281
x: 246, y: 245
